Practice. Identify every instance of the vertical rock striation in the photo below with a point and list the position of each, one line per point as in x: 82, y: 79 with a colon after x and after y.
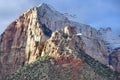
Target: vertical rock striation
x: 22, y: 42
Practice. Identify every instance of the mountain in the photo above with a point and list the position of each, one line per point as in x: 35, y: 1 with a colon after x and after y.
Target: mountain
x: 112, y: 40
x: 44, y: 31
x: 63, y: 57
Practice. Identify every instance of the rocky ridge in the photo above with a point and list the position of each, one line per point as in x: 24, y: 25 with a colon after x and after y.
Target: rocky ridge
x: 21, y: 42
x: 55, y: 20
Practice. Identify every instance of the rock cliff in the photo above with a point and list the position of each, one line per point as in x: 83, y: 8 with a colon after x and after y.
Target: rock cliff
x: 22, y: 42
x: 63, y: 57
x: 43, y: 30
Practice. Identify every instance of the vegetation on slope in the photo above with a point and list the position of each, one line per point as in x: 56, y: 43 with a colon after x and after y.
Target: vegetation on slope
x: 99, y: 68
x: 38, y: 70
x: 43, y: 69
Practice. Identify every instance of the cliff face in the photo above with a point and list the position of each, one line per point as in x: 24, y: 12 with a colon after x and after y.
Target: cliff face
x: 22, y: 42
x: 34, y: 34
x: 56, y: 21
x: 61, y: 43
x: 70, y: 39
x: 63, y: 57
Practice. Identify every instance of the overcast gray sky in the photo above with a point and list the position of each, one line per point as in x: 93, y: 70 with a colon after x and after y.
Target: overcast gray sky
x: 97, y: 13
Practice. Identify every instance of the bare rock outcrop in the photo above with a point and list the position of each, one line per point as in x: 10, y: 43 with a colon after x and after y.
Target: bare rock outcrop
x: 21, y: 42
x: 63, y: 43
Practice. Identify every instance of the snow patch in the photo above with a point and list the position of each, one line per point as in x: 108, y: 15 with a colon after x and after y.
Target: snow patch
x: 79, y: 34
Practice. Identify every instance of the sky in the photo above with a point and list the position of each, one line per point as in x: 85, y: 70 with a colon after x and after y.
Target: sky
x: 97, y: 13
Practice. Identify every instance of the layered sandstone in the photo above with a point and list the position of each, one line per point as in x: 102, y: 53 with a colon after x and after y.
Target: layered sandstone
x: 22, y: 42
